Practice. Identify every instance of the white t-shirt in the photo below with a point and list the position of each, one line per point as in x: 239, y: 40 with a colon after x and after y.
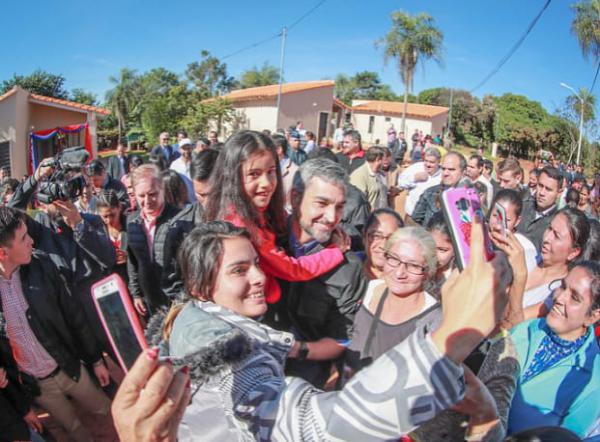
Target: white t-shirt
x: 531, y: 253
x: 406, y: 180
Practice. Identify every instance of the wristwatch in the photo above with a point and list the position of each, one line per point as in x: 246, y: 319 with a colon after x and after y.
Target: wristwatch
x: 303, y: 351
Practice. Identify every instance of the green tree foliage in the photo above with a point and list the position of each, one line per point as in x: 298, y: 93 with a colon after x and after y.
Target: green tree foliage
x: 573, y: 104
x: 199, y: 117
x: 263, y: 76
x: 411, y: 41
x: 586, y: 27
x: 209, y: 76
x: 524, y: 126
x: 39, y: 82
x: 164, y: 112
x: 122, y: 97
x: 80, y: 96
x: 365, y: 85
x: 472, y: 119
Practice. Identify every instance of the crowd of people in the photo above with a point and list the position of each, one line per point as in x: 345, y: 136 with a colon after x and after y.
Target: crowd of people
x: 295, y: 291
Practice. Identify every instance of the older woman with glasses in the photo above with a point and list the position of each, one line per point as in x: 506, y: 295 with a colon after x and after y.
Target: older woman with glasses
x: 397, y: 305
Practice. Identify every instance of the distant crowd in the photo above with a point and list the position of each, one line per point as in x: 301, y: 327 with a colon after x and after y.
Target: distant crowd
x: 292, y: 289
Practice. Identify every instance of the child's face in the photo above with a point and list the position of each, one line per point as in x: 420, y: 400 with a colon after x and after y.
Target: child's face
x: 259, y: 175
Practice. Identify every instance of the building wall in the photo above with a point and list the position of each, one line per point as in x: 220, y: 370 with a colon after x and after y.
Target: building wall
x: 438, y: 123
x: 380, y: 126
x: 255, y: 116
x: 306, y: 106
x: 14, y: 128
x: 302, y: 106
x: 48, y: 117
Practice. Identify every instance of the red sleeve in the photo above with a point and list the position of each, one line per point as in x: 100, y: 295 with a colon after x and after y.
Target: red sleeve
x: 277, y: 263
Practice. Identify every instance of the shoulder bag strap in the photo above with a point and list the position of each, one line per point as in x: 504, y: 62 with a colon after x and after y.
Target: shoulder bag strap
x: 374, y: 322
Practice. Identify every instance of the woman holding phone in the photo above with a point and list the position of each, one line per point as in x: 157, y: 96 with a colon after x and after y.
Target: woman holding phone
x: 236, y: 364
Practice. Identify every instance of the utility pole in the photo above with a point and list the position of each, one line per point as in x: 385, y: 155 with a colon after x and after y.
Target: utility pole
x: 283, y: 35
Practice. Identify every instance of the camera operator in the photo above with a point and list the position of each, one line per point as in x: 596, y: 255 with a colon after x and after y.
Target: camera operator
x: 76, y: 243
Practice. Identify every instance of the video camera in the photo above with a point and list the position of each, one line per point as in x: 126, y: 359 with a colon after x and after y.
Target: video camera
x: 67, y: 181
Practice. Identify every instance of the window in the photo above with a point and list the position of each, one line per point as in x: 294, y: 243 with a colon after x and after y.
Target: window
x: 388, y: 119
x: 371, y: 124
x: 5, y: 156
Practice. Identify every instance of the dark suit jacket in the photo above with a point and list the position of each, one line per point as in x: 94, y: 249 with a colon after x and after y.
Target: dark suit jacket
x: 532, y: 228
x: 113, y: 167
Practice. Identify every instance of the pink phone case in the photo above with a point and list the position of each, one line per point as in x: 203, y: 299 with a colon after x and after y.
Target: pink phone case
x: 459, y: 206
x: 110, y: 284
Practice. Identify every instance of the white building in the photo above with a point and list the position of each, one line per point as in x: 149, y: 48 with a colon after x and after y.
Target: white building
x: 373, y: 118
x: 311, y: 102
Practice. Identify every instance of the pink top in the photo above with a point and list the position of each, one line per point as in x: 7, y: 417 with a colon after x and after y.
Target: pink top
x: 277, y: 264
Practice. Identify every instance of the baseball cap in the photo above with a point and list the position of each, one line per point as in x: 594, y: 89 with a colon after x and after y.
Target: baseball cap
x: 185, y: 142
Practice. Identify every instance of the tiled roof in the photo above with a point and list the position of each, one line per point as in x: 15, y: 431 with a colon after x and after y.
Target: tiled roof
x: 84, y: 107
x: 271, y: 91
x: 340, y: 103
x: 8, y: 94
x: 396, y: 107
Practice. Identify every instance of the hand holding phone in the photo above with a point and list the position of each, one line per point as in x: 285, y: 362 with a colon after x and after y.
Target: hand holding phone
x: 460, y: 205
x: 119, y: 319
x: 501, y: 214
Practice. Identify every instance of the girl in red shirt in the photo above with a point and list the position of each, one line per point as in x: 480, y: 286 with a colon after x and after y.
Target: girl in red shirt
x: 247, y: 191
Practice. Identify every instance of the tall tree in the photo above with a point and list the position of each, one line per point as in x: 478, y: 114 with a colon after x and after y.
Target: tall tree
x: 263, y: 76
x: 209, y: 76
x: 411, y: 41
x: 39, y: 82
x: 586, y: 26
x: 81, y: 96
x: 365, y: 85
x: 589, y: 105
x: 121, y: 98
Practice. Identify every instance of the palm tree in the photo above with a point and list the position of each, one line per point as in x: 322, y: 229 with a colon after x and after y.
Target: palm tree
x: 586, y: 26
x: 411, y: 41
x: 121, y: 98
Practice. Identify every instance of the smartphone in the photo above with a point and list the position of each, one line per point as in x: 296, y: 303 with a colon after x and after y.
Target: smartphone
x: 119, y: 319
x: 501, y: 211
x: 459, y: 206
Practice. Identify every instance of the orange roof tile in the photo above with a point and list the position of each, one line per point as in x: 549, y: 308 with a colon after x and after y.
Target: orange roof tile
x: 271, y: 91
x: 8, y: 94
x: 340, y: 103
x: 396, y: 108
x: 85, y: 107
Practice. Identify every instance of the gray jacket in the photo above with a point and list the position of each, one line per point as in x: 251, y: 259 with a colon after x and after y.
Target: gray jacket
x: 240, y: 392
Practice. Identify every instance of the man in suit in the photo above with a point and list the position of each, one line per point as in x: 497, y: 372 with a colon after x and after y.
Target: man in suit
x: 118, y: 165
x: 164, y: 149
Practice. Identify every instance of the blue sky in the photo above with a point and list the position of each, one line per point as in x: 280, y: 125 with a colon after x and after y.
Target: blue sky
x: 88, y: 42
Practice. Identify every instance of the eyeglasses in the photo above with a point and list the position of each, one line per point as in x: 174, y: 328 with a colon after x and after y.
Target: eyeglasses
x: 411, y: 267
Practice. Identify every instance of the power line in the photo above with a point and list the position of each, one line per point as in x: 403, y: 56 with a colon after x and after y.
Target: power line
x: 595, y: 77
x: 253, y: 45
x: 306, y: 14
x: 279, y: 34
x: 513, y: 49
